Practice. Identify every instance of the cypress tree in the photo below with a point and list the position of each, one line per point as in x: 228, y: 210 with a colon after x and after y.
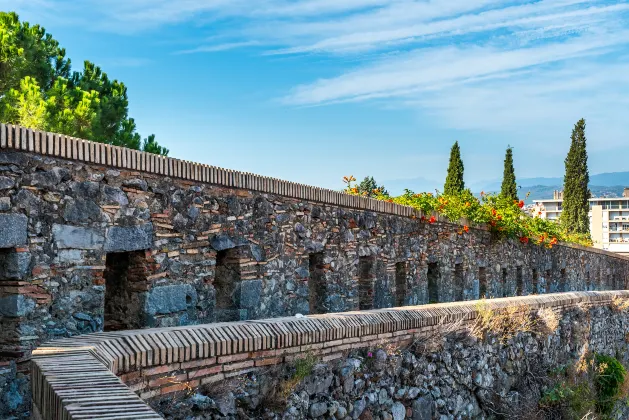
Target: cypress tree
x: 454, y: 181
x: 574, y: 215
x: 509, y: 188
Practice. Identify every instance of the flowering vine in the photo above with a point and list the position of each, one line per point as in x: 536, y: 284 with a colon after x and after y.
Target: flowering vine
x: 505, y: 218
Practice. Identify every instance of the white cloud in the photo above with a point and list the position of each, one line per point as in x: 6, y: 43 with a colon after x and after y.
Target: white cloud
x: 439, y: 68
x: 468, y: 64
x: 220, y: 47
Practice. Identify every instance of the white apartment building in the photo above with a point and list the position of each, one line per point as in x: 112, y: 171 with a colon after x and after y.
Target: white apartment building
x: 609, y: 219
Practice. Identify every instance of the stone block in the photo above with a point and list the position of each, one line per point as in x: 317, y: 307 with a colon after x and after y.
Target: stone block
x: 422, y: 409
x: 6, y: 182
x: 82, y: 210
x: 70, y: 256
x: 13, y: 230
x: 132, y: 238
x: 250, y: 292
x: 170, y: 299
x: 15, y: 306
x: 14, y: 265
x: 74, y: 237
x: 5, y: 203
x: 222, y: 242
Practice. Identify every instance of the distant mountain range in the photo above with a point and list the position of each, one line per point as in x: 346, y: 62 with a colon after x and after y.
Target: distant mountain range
x: 609, y: 184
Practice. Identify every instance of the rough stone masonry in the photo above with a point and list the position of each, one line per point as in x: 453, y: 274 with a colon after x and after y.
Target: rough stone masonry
x: 95, y: 237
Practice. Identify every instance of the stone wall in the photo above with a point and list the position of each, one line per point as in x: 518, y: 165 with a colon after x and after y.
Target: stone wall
x: 97, y: 237
x: 444, y: 374
x: 420, y: 361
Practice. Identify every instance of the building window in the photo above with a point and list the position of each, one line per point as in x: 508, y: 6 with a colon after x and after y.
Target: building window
x: 433, y: 282
x: 482, y: 283
x: 226, y: 281
x: 316, y: 284
x: 400, y: 284
x: 366, y: 280
x: 125, y: 277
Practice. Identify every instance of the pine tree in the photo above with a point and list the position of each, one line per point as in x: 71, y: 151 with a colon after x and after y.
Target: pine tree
x: 368, y: 187
x: 574, y: 215
x: 454, y: 181
x: 509, y: 187
x: 38, y: 89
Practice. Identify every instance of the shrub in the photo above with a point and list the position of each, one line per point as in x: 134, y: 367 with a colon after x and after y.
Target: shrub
x: 609, y: 379
x: 593, y: 386
x: 301, y: 368
x: 504, y: 323
x: 504, y: 216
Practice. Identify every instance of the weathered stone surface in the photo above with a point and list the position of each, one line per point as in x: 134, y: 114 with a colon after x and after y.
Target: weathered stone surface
x: 136, y: 183
x: 398, y: 411
x: 73, y: 256
x: 14, y: 391
x: 133, y: 238
x: 13, y: 158
x: 67, y: 236
x: 5, y: 203
x: 6, y: 182
x: 222, y: 242
x: 422, y: 409
x: 170, y: 299
x: 14, y: 265
x: 250, y: 292
x: 13, y: 230
x: 81, y: 210
x: 50, y: 179
x: 318, y: 409
x: 14, y: 306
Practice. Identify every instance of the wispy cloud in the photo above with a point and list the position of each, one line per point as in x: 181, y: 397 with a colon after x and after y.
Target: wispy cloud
x: 219, y: 47
x: 474, y: 64
x: 431, y: 69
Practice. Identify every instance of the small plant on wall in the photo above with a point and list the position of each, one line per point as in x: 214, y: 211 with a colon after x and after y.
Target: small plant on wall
x: 593, y: 388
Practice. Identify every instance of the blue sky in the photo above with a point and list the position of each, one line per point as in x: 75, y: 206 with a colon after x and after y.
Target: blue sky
x: 311, y: 90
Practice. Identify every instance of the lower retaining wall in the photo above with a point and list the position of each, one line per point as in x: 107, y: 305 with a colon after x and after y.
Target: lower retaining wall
x: 105, y: 374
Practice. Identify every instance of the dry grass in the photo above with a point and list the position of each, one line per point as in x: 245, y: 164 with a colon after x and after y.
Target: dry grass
x: 547, y: 321
x: 505, y: 323
x: 619, y: 304
x: 433, y: 340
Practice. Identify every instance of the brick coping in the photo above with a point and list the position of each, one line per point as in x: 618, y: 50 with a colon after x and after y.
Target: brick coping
x: 78, y: 377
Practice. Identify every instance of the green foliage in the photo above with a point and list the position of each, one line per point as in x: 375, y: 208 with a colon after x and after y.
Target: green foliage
x: 509, y: 188
x: 38, y: 90
x: 304, y: 366
x: 72, y: 110
x: 610, y: 376
x: 504, y: 216
x: 574, y: 216
x: 594, y: 385
x: 572, y: 400
x: 454, y: 180
x: 150, y: 145
x: 368, y: 187
x: 25, y: 105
